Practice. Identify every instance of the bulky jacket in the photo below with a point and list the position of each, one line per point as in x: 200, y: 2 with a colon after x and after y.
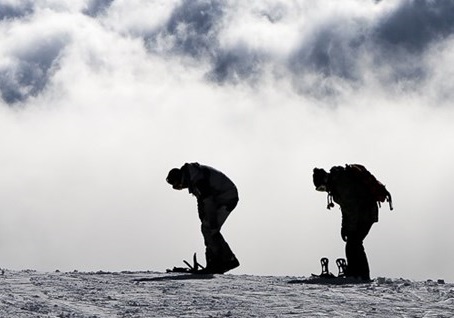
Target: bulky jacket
x: 357, y: 205
x: 204, y: 181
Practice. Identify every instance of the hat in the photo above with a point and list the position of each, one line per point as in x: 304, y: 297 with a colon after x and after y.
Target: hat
x: 319, y: 177
x: 174, y: 176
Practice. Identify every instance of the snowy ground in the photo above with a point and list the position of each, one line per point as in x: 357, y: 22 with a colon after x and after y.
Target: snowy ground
x: 76, y: 294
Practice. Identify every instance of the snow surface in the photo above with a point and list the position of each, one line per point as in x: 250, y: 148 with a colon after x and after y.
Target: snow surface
x: 117, y: 294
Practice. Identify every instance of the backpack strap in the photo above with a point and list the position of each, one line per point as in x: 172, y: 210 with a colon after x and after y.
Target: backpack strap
x: 329, y: 200
x: 390, y: 200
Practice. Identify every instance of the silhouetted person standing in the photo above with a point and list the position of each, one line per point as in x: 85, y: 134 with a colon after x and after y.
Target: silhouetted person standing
x: 358, y: 193
x: 216, y: 197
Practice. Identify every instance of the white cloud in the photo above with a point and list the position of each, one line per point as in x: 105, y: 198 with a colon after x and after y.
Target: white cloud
x: 138, y: 17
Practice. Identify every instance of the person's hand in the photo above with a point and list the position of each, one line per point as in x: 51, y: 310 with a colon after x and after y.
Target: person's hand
x: 344, y: 234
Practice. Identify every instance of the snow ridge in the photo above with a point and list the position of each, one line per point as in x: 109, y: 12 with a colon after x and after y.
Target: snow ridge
x: 118, y: 294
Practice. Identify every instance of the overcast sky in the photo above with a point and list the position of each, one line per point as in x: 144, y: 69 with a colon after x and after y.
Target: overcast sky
x: 101, y: 98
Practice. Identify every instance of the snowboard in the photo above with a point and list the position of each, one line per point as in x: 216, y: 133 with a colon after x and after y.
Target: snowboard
x: 174, y: 276
x: 317, y: 280
x: 328, y: 278
x: 181, y: 273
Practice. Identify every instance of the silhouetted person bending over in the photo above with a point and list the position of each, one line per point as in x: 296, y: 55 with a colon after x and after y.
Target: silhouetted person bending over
x: 216, y: 197
x: 359, y: 194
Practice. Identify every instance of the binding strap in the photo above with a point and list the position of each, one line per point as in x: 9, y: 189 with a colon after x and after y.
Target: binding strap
x: 329, y: 199
x: 390, y: 200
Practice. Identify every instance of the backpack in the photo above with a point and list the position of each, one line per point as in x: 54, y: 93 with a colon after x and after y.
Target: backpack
x: 376, y: 188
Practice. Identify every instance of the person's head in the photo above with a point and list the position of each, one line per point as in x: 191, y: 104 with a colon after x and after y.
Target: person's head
x: 175, y: 178
x: 320, y: 179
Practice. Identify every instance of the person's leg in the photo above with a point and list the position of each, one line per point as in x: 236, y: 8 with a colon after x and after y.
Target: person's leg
x: 226, y: 256
x: 219, y: 256
x: 357, y: 264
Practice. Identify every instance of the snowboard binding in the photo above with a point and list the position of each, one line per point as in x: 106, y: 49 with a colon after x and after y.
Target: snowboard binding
x: 342, y: 267
x: 193, y: 269
x: 325, y: 271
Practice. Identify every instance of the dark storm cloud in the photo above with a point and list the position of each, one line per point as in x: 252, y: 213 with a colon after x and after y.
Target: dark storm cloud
x: 392, y: 45
x: 9, y: 11
x: 334, y: 49
x: 331, y: 51
x: 235, y: 64
x: 30, y: 70
x: 401, y: 39
x: 97, y: 7
x: 416, y: 24
x: 193, y: 28
x: 397, y: 43
x: 409, y: 30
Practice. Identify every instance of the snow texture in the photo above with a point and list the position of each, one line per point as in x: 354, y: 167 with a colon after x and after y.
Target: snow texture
x: 118, y: 294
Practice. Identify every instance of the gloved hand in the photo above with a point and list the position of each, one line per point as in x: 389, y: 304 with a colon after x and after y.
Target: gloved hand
x: 344, y: 234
